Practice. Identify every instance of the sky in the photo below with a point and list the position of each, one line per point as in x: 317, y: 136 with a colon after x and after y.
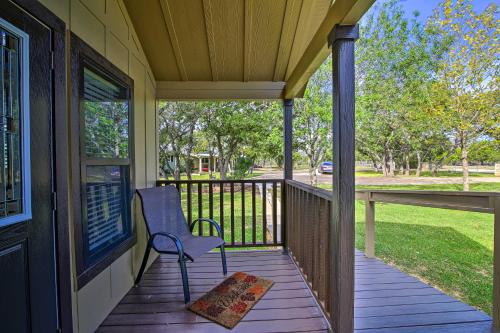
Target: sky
x: 426, y: 7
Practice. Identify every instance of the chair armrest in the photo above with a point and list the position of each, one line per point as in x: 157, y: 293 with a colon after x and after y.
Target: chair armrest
x: 173, y: 238
x: 203, y: 219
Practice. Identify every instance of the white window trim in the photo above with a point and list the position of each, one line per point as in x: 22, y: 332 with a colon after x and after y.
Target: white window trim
x: 25, y: 127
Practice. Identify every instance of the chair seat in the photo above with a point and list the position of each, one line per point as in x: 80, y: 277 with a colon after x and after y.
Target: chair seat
x: 194, y: 246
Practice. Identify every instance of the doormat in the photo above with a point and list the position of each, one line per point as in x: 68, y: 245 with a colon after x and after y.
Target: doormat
x: 230, y: 301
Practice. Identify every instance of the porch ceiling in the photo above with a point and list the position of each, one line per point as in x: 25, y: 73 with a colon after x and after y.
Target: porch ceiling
x: 216, y: 49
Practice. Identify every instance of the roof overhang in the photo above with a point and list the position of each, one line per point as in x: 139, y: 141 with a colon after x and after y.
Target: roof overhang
x: 237, y: 49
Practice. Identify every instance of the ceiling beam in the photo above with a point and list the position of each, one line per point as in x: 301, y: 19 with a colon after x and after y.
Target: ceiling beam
x: 167, y: 16
x: 341, y: 12
x: 207, y: 90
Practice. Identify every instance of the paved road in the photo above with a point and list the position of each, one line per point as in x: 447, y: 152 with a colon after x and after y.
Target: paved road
x: 399, y: 180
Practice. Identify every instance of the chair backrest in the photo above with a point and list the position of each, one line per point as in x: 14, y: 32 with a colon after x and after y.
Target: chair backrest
x: 161, y: 207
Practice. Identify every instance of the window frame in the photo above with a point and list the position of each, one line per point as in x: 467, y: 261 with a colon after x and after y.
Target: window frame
x: 83, y: 56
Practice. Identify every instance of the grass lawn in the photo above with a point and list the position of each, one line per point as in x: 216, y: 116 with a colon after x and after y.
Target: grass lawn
x: 205, y: 176
x: 449, y: 249
x: 442, y: 173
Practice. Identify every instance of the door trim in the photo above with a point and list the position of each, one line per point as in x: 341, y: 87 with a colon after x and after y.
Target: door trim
x: 59, y: 158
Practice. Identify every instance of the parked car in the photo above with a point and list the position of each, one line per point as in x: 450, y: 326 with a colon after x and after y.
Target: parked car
x: 325, y: 167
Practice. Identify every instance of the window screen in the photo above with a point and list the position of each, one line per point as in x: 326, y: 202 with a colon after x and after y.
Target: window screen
x: 105, y: 163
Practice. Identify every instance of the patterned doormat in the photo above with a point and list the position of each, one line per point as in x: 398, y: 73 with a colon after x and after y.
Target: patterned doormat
x: 230, y: 301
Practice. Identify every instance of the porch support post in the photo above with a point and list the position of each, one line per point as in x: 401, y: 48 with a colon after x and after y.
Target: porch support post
x: 287, y: 137
x: 342, y: 39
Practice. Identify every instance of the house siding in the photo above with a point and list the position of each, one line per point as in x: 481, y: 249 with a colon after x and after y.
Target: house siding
x: 105, y: 25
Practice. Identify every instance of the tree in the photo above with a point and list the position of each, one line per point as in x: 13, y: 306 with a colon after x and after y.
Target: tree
x: 269, y: 147
x: 313, y: 119
x: 232, y: 125
x: 465, y: 95
x: 485, y: 151
x: 395, y: 65
x: 178, y: 121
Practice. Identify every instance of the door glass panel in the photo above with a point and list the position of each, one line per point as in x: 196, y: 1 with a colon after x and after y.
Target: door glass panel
x: 106, y: 117
x: 11, y: 192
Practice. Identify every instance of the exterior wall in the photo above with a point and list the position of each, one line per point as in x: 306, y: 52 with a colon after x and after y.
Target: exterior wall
x: 106, y: 26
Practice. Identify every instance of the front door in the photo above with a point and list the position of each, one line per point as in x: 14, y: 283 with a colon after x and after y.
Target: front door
x: 28, y: 292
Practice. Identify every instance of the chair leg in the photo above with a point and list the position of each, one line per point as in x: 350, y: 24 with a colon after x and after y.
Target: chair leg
x: 185, y: 281
x: 223, y: 256
x: 144, y: 263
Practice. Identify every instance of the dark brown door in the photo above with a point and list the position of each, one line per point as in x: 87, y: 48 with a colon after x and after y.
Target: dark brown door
x: 28, y: 292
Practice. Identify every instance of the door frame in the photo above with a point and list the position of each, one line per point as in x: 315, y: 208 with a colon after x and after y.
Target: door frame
x: 60, y: 170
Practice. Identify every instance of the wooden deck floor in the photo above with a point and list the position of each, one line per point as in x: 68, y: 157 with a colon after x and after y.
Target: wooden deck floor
x: 386, y: 300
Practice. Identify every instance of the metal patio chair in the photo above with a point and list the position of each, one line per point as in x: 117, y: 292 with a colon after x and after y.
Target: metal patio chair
x: 169, y: 233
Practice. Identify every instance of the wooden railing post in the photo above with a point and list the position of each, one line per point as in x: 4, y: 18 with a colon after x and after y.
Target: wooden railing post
x: 369, y: 227
x: 496, y: 263
x: 342, y: 40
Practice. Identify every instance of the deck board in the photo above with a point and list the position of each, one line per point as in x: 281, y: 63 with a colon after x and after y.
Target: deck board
x: 386, y: 300
x: 389, y: 301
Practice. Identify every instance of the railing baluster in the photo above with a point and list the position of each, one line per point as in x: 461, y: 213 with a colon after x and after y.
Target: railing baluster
x: 275, y: 213
x: 221, y: 207
x: 254, y: 217
x: 200, y: 208
x: 232, y: 214
x: 283, y: 217
x: 189, y: 203
x: 264, y: 213
x: 211, y: 206
x: 243, y: 213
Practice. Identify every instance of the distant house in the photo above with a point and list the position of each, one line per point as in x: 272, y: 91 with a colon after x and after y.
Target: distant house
x: 202, y: 162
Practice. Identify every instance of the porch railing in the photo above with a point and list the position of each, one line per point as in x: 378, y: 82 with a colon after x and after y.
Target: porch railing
x: 249, y: 212
x: 308, y: 229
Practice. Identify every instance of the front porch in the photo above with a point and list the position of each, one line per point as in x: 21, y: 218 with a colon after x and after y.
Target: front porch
x: 386, y: 300
x: 261, y: 217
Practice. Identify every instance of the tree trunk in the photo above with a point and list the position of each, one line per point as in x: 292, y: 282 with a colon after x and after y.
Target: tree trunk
x: 384, y: 165
x: 177, y: 169
x: 222, y: 168
x: 465, y: 168
x: 313, y: 179
x: 392, y: 164
x: 189, y: 164
x: 435, y: 169
x: 407, y: 165
x: 419, y: 164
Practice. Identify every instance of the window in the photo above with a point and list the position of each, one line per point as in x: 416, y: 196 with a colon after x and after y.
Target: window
x: 103, y: 117
x: 15, y: 181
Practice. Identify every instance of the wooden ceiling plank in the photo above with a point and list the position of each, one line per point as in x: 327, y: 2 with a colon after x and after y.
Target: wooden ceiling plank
x: 318, y: 50
x: 167, y: 16
x: 305, y: 28
x: 209, y: 25
x: 248, y: 40
x: 288, y: 31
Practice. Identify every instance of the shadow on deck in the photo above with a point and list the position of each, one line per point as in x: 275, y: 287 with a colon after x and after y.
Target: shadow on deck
x: 386, y: 300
